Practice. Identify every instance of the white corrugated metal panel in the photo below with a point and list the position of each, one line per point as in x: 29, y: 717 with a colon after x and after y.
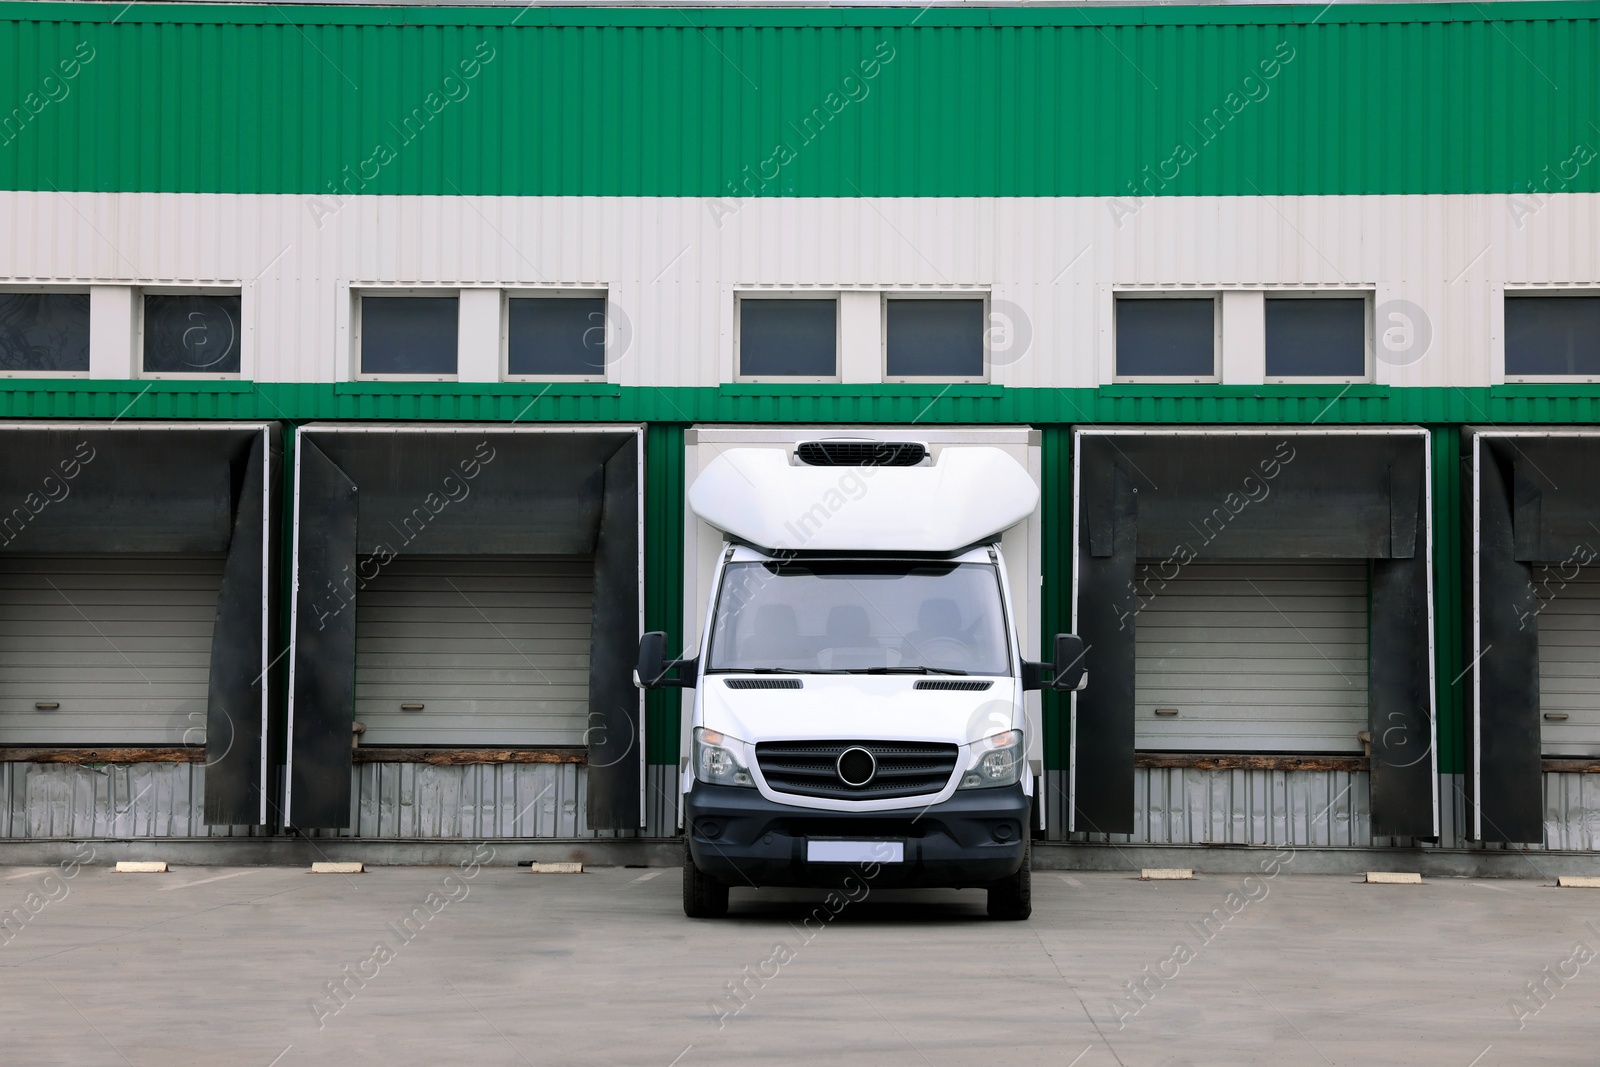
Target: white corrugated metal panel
x: 122, y: 645
x: 672, y: 265
x: 1312, y: 809
x: 419, y: 801
x: 495, y: 651
x: 64, y: 800
x: 1571, y: 811
x: 1253, y: 657
x: 1569, y: 664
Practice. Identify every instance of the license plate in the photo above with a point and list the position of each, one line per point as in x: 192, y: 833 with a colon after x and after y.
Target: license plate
x: 856, y: 851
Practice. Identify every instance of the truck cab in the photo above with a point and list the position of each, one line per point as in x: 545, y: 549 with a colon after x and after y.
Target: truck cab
x: 858, y: 694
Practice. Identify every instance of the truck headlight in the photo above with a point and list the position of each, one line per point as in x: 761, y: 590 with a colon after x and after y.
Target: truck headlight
x: 996, y: 761
x: 718, y: 759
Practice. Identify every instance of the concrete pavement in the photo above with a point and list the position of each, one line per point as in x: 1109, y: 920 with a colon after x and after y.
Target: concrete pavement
x: 495, y: 965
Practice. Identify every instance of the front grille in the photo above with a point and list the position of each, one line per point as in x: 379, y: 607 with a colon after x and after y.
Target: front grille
x: 763, y: 683
x: 810, y: 768
x: 953, y: 684
x: 861, y: 453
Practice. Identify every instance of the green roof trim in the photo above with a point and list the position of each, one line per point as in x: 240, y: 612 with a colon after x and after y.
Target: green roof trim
x: 903, y: 404
x: 796, y: 102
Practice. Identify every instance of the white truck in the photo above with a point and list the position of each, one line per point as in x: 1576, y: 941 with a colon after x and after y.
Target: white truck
x: 859, y: 688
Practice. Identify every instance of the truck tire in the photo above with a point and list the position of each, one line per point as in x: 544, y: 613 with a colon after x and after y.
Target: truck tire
x: 1013, y: 898
x: 703, y: 896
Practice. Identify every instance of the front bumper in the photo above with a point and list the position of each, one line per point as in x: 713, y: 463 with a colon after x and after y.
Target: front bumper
x: 976, y: 838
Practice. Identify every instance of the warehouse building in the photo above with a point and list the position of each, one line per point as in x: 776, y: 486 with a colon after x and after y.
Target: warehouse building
x: 355, y: 359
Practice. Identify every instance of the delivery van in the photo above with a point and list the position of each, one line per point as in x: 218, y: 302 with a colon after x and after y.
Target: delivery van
x: 858, y: 689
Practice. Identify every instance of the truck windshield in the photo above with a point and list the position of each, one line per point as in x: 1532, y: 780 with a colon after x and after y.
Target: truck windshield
x: 860, y: 617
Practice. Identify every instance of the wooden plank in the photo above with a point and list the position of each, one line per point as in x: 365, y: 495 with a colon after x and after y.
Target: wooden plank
x: 1571, y: 766
x: 1245, y: 762
x: 164, y: 754
x: 456, y: 757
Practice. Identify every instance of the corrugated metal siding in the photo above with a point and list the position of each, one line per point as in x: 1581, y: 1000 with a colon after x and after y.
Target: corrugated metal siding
x: 1326, y: 809
x: 418, y: 801
x: 671, y: 266
x: 1418, y: 98
x: 661, y: 801
x: 62, y: 800
x: 1572, y: 811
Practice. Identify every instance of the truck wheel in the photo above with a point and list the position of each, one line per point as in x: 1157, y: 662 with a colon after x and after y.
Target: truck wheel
x: 703, y: 896
x: 1013, y: 898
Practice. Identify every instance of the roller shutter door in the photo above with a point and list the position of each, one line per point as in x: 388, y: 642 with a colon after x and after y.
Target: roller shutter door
x: 1254, y: 657
x: 121, y: 644
x: 1569, y: 662
x: 495, y: 651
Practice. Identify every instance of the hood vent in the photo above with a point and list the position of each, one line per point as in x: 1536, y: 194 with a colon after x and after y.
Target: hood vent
x: 763, y: 683
x: 852, y: 453
x: 952, y: 685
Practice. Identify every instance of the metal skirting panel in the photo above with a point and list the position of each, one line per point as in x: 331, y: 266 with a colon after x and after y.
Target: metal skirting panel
x: 420, y: 801
x: 661, y: 801
x: 1571, y: 811
x: 1185, y: 806
x: 66, y: 800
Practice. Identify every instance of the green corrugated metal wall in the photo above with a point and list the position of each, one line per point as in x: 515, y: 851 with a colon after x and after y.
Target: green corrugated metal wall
x: 663, y: 562
x: 1432, y: 98
x: 1210, y: 404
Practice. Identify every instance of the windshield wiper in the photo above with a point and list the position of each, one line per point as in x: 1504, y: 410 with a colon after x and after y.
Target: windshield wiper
x: 907, y: 670
x: 768, y: 670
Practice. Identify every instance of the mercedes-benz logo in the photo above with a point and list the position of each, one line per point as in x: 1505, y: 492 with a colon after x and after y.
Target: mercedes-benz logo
x: 856, y: 766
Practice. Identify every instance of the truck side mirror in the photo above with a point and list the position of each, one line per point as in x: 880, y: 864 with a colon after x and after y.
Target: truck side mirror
x: 1068, y: 668
x: 655, y: 671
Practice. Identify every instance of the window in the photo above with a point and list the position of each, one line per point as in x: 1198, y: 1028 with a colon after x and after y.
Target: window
x: 196, y: 333
x: 1316, y: 337
x: 557, y: 337
x: 44, y: 332
x: 1553, y: 335
x: 935, y: 339
x: 412, y: 336
x: 1167, y: 337
x: 788, y: 338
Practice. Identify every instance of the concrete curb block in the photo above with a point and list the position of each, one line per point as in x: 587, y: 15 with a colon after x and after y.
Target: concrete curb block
x: 556, y: 868
x: 1393, y: 878
x: 336, y: 868
x: 1166, y: 874
x: 141, y: 866
x: 1578, y: 881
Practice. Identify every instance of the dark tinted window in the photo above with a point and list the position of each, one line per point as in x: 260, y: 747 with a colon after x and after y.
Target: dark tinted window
x: 1316, y: 338
x: 793, y: 338
x: 408, y: 334
x: 191, y: 334
x: 1553, y: 335
x: 557, y: 335
x: 938, y: 338
x: 44, y: 331
x: 1166, y: 338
